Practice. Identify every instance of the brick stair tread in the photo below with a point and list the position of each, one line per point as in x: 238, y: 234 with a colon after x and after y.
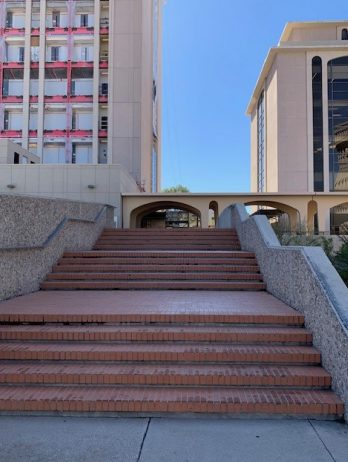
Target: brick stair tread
x: 169, y: 374
x: 162, y: 253
x: 152, y: 285
x: 156, y: 247
x: 181, y: 399
x: 190, y: 267
x: 151, y: 260
x: 159, y: 352
x: 240, y: 334
x: 163, y: 276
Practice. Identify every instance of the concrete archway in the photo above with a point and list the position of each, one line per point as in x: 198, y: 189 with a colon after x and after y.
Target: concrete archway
x: 339, y: 219
x: 139, y: 213
x: 214, y: 210
x: 312, y: 217
x: 293, y: 214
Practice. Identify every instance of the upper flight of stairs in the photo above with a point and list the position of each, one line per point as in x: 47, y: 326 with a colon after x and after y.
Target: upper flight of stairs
x: 206, y: 259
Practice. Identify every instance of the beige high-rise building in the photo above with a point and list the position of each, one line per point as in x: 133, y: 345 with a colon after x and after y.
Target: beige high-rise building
x: 80, y: 82
x: 299, y: 112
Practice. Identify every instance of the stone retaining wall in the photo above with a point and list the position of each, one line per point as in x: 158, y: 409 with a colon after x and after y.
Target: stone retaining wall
x: 304, y: 278
x: 28, y: 249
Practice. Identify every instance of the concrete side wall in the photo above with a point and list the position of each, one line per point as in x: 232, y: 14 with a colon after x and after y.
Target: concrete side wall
x: 101, y: 184
x: 292, y: 122
x: 304, y: 278
x: 25, y: 254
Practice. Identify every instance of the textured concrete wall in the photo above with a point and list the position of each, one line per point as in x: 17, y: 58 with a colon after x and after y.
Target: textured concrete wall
x: 25, y: 225
x: 304, y: 278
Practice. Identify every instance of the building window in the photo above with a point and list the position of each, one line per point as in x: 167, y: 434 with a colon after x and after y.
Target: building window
x: 55, y: 54
x: 318, y: 144
x: 21, y: 54
x: 104, y: 123
x: 56, y: 19
x: 338, y: 123
x: 84, y: 20
x: 9, y: 19
x: 344, y: 34
x: 261, y: 143
x: 6, y: 120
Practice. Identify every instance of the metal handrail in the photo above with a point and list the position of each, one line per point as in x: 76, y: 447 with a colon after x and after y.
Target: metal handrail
x: 57, y: 230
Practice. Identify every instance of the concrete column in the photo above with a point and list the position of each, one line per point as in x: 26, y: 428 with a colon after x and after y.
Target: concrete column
x: 26, y: 77
x: 96, y: 82
x: 323, y: 217
x: 310, y: 163
x: 205, y: 217
x: 42, y: 60
x: 111, y: 100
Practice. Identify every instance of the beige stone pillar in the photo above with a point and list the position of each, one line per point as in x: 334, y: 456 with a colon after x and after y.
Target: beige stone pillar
x: 323, y: 217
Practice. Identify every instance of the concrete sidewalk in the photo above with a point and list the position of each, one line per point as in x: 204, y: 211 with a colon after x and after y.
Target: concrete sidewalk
x: 59, y: 439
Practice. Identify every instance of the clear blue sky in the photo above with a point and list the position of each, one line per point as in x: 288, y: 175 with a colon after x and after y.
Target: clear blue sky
x: 213, y: 51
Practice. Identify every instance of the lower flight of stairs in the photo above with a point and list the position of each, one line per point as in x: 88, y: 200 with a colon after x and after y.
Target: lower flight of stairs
x: 159, y: 259
x: 165, y: 363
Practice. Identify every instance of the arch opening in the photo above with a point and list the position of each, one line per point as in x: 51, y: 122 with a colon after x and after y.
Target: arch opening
x: 283, y: 217
x: 165, y: 214
x: 312, y: 217
x: 213, y: 214
x: 339, y: 219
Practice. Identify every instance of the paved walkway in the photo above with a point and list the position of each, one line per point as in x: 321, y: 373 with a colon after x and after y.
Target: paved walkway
x: 58, y: 439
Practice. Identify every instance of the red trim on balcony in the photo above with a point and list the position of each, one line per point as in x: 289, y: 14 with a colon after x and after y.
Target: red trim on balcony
x: 56, y: 133
x: 104, y: 64
x: 83, y: 30
x: 82, y: 63
x: 81, y: 133
x: 35, y: 31
x: 34, y: 64
x: 11, y: 134
x: 103, y: 134
x: 57, y: 30
x: 12, y: 99
x: 54, y: 64
x: 33, y: 99
x: 56, y: 99
x: 13, y: 65
x: 104, y: 31
x: 32, y: 133
x: 81, y: 99
x: 15, y: 31
x: 103, y: 98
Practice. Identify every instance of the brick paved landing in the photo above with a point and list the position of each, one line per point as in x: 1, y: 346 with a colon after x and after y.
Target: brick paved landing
x: 160, y: 352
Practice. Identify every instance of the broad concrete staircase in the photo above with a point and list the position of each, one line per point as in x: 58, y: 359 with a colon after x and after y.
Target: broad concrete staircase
x: 157, y: 351
x: 208, y: 259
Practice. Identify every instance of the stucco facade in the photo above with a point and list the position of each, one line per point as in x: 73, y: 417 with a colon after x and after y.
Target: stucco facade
x: 299, y: 113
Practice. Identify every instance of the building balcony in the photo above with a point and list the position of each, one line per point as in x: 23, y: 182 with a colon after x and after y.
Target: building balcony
x: 81, y: 98
x: 12, y: 98
x: 103, y: 98
x: 56, y: 98
x: 33, y: 99
x: 55, y: 133
x: 57, y: 30
x: 11, y: 134
x: 35, y: 31
x: 78, y: 64
x: 79, y: 133
x: 83, y: 30
x: 103, y: 134
x: 13, y: 64
x: 104, y: 30
x: 14, y: 31
x: 103, y: 64
x: 32, y: 133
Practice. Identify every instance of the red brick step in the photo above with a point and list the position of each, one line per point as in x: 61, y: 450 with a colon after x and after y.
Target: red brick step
x: 178, y: 400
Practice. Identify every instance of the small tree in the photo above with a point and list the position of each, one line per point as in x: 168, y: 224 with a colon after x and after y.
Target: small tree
x: 176, y: 189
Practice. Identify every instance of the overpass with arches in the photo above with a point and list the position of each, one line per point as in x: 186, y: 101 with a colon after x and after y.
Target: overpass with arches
x: 303, y: 209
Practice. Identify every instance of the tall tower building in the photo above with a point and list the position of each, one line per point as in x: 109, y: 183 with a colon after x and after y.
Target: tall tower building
x: 80, y: 82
